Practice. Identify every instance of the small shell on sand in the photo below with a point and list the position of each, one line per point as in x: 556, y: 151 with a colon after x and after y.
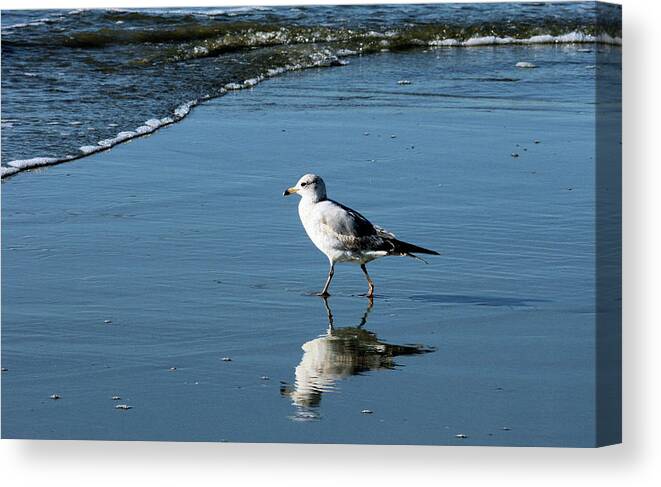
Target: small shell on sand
x: 226, y: 359
x: 367, y: 411
x: 525, y: 64
x: 123, y: 406
x: 55, y: 396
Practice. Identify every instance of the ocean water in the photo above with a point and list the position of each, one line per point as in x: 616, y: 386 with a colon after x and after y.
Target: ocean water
x: 76, y: 82
x: 136, y: 272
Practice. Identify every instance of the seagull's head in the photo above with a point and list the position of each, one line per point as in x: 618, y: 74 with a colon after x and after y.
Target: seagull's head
x: 309, y: 186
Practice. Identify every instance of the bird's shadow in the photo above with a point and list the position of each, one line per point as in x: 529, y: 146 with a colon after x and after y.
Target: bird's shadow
x: 339, y: 353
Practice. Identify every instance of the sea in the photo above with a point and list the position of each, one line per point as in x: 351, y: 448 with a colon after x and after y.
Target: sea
x: 75, y: 82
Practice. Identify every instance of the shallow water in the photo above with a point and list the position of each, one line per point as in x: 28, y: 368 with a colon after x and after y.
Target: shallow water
x: 183, y: 241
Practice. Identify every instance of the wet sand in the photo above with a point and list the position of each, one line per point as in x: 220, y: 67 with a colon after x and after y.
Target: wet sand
x: 183, y: 242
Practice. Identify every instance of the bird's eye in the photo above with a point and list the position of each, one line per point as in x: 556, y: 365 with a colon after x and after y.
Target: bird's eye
x: 303, y: 184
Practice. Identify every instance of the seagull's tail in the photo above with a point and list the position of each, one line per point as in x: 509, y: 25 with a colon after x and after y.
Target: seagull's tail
x: 409, y: 250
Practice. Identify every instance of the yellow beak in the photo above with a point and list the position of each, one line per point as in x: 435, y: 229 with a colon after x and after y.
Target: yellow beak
x: 289, y: 191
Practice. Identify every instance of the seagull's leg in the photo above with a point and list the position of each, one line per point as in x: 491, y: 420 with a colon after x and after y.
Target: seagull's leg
x: 370, y: 292
x: 331, y: 271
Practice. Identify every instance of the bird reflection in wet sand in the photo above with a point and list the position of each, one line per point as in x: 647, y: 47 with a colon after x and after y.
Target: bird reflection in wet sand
x: 340, y: 353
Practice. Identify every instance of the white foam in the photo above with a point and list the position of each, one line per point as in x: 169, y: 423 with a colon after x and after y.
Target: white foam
x: 444, y: 42
x: 8, y: 171
x: 275, y: 71
x: 200, y: 51
x: 249, y: 83
x: 541, y: 39
x: 90, y: 149
x: 568, y: 38
x: 120, y: 137
x: 144, y: 130
x: 153, y: 122
x: 184, y: 109
x: 22, y: 164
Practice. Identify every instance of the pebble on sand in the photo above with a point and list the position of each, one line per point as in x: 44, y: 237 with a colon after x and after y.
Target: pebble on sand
x: 123, y: 406
x: 514, y: 154
x: 536, y: 141
x: 525, y: 64
x: 461, y: 436
x: 393, y: 136
x: 226, y: 359
x: 55, y: 396
x: 367, y: 411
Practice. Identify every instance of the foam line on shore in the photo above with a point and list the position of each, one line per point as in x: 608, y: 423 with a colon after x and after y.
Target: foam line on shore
x: 323, y: 58
x: 149, y: 126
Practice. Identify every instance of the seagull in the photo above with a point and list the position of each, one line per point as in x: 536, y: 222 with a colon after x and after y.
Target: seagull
x: 343, y: 234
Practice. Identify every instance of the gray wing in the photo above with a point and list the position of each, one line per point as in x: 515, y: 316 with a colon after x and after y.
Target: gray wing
x: 353, y: 230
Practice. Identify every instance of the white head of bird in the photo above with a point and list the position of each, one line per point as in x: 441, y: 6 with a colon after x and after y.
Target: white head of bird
x: 310, y: 187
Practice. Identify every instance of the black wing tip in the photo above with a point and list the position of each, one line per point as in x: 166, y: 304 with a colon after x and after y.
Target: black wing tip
x: 408, y: 248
